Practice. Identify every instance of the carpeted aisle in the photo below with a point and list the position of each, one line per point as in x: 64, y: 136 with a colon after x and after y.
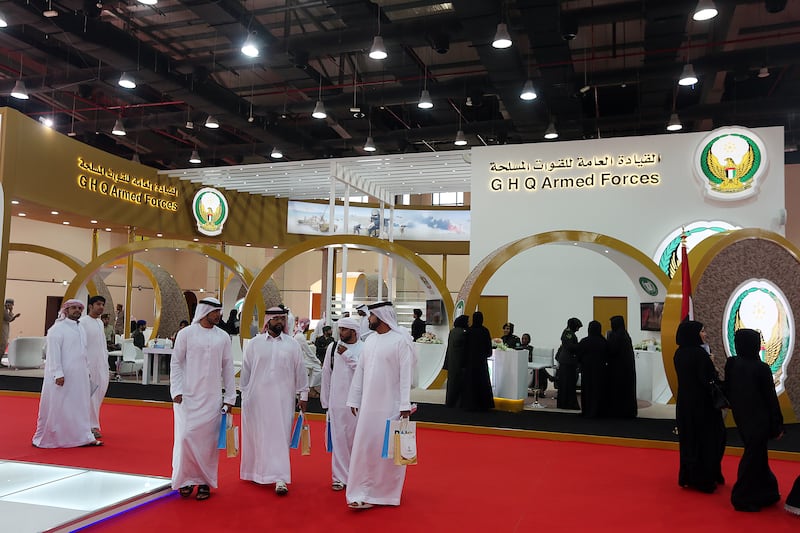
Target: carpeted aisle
x: 464, y: 482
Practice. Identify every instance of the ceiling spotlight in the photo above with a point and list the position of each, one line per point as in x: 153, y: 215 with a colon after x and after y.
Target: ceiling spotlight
x: 71, y: 133
x: 46, y: 121
x: 674, y: 123
x: 460, y: 140
x: 195, y: 158
x: 276, y: 153
x: 378, y: 50
x: 118, y: 128
x: 469, y: 103
x: 126, y: 81
x: 688, y: 77
x: 250, y: 48
x: 212, y: 123
x: 189, y: 125
x: 550, y: 132
x: 3, y: 23
x: 20, y: 92
x: 425, y: 101
x: 250, y: 118
x: 369, y: 146
x: 763, y: 72
x: 319, y: 110
x: 50, y: 13
x: 706, y: 10
x: 502, y: 39
x: 528, y: 92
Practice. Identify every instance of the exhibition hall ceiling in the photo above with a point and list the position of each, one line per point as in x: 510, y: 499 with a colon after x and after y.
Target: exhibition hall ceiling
x: 599, y: 68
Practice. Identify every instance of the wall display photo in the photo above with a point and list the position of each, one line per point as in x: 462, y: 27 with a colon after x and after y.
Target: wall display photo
x: 650, y: 314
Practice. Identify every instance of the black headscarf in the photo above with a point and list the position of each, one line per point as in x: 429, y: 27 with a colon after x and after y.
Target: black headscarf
x: 595, y: 329
x: 748, y: 343
x: 461, y: 321
x: 477, y: 319
x: 574, y: 324
x: 688, y: 333
x: 617, y: 323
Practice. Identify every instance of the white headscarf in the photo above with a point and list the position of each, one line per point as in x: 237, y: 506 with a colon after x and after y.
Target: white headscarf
x: 62, y: 313
x: 204, y: 307
x: 351, y: 323
x: 385, y: 312
x: 277, y: 311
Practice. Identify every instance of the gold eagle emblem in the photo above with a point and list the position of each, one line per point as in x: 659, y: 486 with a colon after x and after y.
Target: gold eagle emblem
x: 729, y: 173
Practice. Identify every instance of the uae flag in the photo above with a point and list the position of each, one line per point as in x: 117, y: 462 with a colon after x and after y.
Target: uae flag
x: 687, y: 310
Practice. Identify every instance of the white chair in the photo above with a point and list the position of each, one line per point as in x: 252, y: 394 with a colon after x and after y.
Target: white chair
x: 540, y: 358
x: 132, y: 359
x: 26, y: 352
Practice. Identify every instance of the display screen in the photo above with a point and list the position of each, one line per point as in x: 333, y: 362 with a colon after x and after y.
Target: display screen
x: 434, y: 312
x: 651, y: 316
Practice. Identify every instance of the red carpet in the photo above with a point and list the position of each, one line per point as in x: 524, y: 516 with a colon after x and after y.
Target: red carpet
x: 464, y: 482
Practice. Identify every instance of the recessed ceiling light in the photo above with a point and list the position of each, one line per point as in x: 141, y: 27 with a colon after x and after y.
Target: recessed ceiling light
x: 159, y: 234
x: 66, y: 223
x: 108, y: 229
x: 14, y: 202
x: 196, y: 239
x: 93, y: 221
x: 22, y: 215
x: 248, y: 244
x: 53, y: 212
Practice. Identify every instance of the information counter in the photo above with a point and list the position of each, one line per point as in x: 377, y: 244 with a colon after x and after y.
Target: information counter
x: 651, y: 380
x: 508, y: 370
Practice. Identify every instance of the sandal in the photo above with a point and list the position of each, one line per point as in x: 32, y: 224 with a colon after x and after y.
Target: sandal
x: 359, y: 505
x: 186, y: 491
x: 337, y: 485
x: 94, y: 443
x: 203, y: 492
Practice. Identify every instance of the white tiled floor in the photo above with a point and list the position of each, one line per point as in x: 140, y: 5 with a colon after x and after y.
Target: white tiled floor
x: 35, y: 497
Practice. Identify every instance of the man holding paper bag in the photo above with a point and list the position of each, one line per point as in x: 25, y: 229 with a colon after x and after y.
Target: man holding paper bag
x: 380, y: 391
x: 341, y: 360
x: 202, y: 355
x: 273, y: 374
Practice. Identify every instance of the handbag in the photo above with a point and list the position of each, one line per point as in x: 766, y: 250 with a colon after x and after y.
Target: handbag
x: 305, y: 439
x: 297, y: 430
x: 405, y: 442
x: 231, y: 437
x: 718, y: 398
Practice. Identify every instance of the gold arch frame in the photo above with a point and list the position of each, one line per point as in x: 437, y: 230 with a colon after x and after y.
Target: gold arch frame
x: 477, y: 279
x: 61, y: 257
x: 699, y: 258
x: 355, y: 241
x: 156, y: 292
x: 131, y: 248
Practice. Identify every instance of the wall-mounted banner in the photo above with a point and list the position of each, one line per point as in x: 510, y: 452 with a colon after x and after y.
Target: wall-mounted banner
x: 107, y: 181
x: 730, y: 163
x: 409, y: 224
x: 210, y: 210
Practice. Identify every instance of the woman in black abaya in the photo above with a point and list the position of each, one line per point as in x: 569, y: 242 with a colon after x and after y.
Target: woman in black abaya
x: 621, y: 372
x: 758, y: 417
x: 701, y: 431
x: 476, y: 394
x: 593, y: 355
x: 456, y: 360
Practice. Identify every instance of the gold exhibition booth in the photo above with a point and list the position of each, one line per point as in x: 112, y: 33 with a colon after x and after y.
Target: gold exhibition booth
x: 261, y: 221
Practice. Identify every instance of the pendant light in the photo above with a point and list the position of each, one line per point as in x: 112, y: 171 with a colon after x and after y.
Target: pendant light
x: 319, y: 109
x: 118, y: 129
x: 276, y: 153
x: 425, y: 101
x: 195, y: 158
x: 528, y: 92
x: 20, y: 92
x: 674, y: 123
x: 706, y: 10
x: 460, y: 139
x: 148, y: 2
x: 250, y: 46
x: 369, y: 146
x: 135, y: 158
x: 378, y: 50
x: 126, y: 81
x: 502, y: 39
x: 212, y: 123
x: 688, y: 77
x: 3, y: 22
x: 550, y: 133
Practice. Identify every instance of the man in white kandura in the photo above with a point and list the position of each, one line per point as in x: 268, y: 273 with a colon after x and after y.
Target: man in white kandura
x: 362, y: 315
x: 97, y: 355
x: 341, y: 360
x: 65, y: 405
x: 310, y: 360
x: 380, y: 390
x: 202, y: 354
x: 273, y: 374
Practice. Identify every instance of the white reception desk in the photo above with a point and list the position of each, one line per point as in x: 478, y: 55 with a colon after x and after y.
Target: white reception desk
x: 509, y: 373
x: 651, y: 379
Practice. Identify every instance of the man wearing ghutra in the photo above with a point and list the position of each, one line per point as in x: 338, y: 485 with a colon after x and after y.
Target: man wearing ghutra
x: 65, y: 403
x: 341, y: 360
x: 97, y: 356
x: 273, y: 375
x: 380, y: 390
x: 202, y: 354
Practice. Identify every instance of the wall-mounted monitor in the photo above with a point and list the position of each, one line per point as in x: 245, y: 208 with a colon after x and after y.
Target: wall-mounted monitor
x: 434, y: 312
x: 651, y: 315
